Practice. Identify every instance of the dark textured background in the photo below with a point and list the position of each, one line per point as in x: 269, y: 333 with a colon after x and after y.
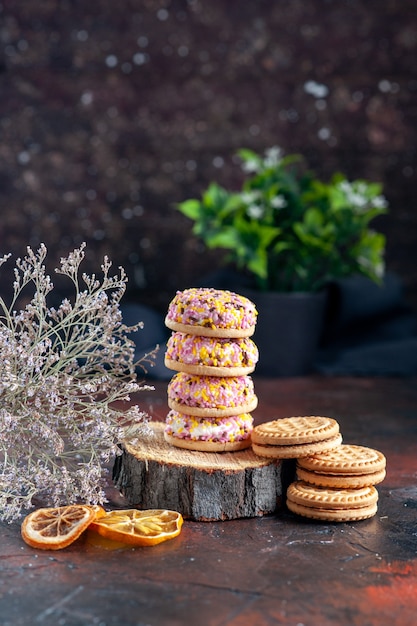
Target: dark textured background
x: 110, y: 112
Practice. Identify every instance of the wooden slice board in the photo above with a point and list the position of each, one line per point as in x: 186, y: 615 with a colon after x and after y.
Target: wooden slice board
x: 204, y: 486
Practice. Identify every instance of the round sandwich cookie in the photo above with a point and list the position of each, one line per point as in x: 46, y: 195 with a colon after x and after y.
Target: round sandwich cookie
x: 333, y: 505
x: 211, y: 396
x: 340, y: 481
x: 208, y: 434
x: 211, y: 313
x: 211, y: 356
x: 296, y: 437
x: 347, y: 459
x: 317, y: 497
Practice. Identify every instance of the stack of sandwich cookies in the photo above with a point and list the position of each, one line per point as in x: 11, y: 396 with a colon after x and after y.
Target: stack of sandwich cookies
x: 338, y: 485
x: 296, y: 437
x: 333, y: 505
x: 347, y: 467
x: 212, y: 394
x: 335, y: 482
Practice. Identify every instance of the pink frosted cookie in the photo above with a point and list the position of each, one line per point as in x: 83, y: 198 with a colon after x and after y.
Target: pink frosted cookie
x: 209, y: 434
x: 211, y: 313
x: 211, y: 396
x: 211, y: 356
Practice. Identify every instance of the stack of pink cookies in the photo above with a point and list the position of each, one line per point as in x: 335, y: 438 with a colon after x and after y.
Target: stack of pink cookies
x: 212, y: 395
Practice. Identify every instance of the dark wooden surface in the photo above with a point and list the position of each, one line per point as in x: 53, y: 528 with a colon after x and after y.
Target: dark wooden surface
x: 278, y: 569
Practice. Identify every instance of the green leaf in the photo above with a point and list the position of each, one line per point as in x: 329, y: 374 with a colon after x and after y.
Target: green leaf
x: 313, y: 219
x: 231, y: 205
x: 258, y: 264
x: 215, y: 196
x: 249, y: 155
x: 190, y: 208
x: 226, y: 238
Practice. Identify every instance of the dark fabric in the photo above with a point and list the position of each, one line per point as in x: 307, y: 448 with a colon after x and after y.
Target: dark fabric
x: 154, y: 333
x: 369, y: 330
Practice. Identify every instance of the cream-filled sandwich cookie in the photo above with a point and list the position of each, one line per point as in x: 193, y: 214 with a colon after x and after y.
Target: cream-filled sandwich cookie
x: 348, y: 466
x: 209, y: 434
x: 332, y: 505
x: 211, y: 356
x: 211, y: 396
x: 295, y: 437
x: 211, y: 313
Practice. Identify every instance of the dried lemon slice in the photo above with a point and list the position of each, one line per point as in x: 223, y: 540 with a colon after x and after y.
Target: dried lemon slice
x: 139, y: 528
x: 57, y: 527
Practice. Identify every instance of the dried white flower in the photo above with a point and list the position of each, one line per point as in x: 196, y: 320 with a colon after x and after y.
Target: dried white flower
x: 62, y: 371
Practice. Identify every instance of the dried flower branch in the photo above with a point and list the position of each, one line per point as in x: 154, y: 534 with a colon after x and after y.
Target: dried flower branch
x: 62, y: 370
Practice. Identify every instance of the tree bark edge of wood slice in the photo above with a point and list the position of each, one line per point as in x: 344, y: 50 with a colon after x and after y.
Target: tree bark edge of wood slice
x: 203, y: 486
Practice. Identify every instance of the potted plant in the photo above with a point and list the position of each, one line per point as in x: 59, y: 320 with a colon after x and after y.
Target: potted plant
x: 291, y: 233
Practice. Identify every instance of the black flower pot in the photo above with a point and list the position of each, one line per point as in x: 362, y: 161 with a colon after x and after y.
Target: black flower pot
x: 288, y: 331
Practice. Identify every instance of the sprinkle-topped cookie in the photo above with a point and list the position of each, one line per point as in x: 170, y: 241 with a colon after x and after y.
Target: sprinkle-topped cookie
x: 209, y: 434
x: 211, y: 395
x: 211, y: 313
x: 211, y: 356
